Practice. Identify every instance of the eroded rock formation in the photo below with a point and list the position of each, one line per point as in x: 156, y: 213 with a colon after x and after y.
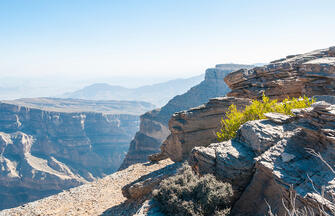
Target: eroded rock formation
x: 154, y: 124
x: 267, y: 157
x: 197, y: 126
x: 43, y: 152
x: 296, y: 75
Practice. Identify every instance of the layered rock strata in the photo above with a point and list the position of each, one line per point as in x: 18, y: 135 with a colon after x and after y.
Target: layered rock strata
x: 296, y: 75
x: 154, y: 124
x: 43, y: 152
x: 197, y: 126
x: 268, y: 156
x: 244, y: 161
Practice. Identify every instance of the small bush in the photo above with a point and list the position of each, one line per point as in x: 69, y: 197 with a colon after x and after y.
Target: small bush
x: 188, y: 194
x: 255, y: 111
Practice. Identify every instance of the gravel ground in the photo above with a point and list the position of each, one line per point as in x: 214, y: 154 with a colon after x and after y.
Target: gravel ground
x: 103, y: 196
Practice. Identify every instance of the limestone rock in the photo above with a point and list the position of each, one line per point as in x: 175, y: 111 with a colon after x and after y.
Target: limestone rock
x: 146, y: 184
x: 46, y: 150
x: 197, y: 126
x: 154, y: 124
x: 308, y: 74
x: 267, y: 157
x: 230, y: 161
x: 278, y: 118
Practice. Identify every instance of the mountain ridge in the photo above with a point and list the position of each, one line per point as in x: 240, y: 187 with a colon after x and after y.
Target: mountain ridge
x: 157, y: 94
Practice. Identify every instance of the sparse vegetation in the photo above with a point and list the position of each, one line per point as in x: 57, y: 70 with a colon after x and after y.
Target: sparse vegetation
x: 234, y: 118
x: 188, y: 194
x: 292, y: 210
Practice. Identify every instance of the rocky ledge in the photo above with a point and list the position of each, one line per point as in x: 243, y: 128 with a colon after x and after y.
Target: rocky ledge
x: 154, y: 124
x: 296, y: 75
x: 269, y: 156
x: 197, y: 127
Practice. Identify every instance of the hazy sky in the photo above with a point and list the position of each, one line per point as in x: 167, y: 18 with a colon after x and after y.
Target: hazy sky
x: 167, y: 38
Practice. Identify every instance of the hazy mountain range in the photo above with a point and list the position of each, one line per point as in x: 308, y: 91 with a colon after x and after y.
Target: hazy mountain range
x: 158, y: 94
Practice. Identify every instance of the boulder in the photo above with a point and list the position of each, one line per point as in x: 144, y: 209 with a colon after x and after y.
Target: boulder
x: 143, y: 186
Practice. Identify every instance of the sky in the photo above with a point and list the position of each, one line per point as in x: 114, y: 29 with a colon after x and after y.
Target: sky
x: 146, y: 40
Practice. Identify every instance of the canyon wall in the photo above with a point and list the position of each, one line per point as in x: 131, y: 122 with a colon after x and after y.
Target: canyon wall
x: 296, y: 75
x: 154, y: 124
x: 267, y: 156
x: 43, y: 152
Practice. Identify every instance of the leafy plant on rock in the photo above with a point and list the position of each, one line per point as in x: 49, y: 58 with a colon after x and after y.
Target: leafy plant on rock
x: 255, y: 111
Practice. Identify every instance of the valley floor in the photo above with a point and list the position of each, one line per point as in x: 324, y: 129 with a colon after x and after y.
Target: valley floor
x: 103, y: 196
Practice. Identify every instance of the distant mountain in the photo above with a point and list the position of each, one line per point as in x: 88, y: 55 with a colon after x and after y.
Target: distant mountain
x: 158, y: 94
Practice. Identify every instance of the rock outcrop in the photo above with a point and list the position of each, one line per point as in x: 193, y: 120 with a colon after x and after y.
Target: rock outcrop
x: 197, y: 126
x: 143, y: 186
x: 43, y: 152
x: 296, y: 75
x: 154, y: 125
x: 267, y: 157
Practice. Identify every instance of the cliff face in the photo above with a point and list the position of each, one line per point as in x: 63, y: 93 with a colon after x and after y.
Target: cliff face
x: 267, y: 156
x: 43, y: 152
x: 296, y: 75
x: 197, y: 126
x: 154, y: 125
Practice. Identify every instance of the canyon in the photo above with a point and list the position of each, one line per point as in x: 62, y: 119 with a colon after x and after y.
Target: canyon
x: 48, y: 144
x: 268, y: 162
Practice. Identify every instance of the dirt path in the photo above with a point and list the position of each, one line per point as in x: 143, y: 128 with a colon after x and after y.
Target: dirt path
x: 89, y: 199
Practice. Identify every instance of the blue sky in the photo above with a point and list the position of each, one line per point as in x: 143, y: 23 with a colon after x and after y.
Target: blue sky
x: 161, y: 38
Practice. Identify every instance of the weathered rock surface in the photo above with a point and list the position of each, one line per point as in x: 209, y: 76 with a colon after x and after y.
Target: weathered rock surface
x: 308, y: 74
x: 43, y: 152
x: 268, y: 156
x: 154, y: 125
x: 147, y: 183
x: 197, y: 126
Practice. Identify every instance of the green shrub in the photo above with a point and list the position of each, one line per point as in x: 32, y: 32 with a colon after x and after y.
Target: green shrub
x: 255, y: 111
x: 188, y: 194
